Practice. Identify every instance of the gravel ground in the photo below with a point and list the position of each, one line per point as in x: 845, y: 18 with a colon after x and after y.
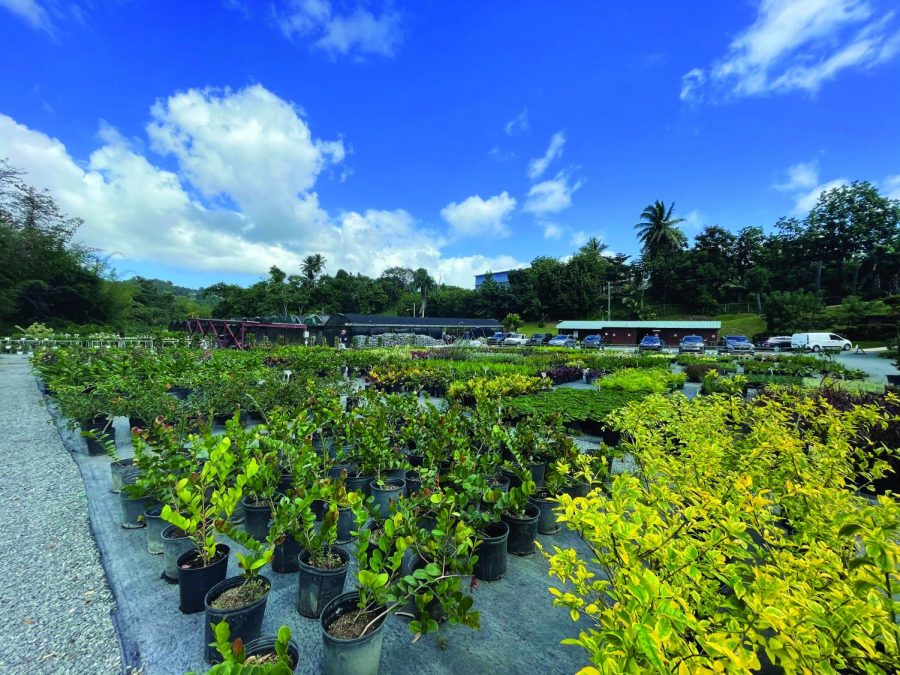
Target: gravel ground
x: 55, y: 605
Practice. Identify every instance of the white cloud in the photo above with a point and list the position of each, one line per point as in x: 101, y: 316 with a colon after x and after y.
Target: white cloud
x: 251, y: 146
x: 797, y: 45
x: 537, y: 166
x: 477, y: 217
x: 31, y: 12
x: 517, y: 124
x: 358, y: 31
x: 579, y: 238
x: 891, y: 186
x: 551, y: 196
x: 552, y: 231
x: 501, y: 155
x: 805, y: 201
x: 800, y: 176
x: 693, y: 220
x: 211, y: 215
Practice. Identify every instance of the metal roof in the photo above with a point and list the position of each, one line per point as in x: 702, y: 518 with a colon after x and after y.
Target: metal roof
x: 596, y: 325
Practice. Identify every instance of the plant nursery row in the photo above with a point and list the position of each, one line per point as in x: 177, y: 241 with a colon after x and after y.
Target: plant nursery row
x: 752, y: 533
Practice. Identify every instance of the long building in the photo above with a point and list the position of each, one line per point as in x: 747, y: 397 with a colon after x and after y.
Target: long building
x: 632, y: 332
x: 373, y: 324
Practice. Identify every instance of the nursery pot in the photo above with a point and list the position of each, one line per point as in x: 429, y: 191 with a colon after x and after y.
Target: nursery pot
x: 538, y: 469
x: 175, y: 542
x: 395, y: 474
x: 94, y: 446
x: 284, y: 557
x: 195, y: 582
x: 243, y: 622
x: 359, y: 483
x: 318, y: 586
x: 577, y: 490
x: 123, y: 472
x: 393, y: 490
x: 500, y: 482
x: 547, y: 519
x: 266, y: 645
x: 256, y: 519
x: 512, y: 477
x: 132, y: 511
x: 413, y: 482
x: 346, y: 522
x: 155, y: 526
x: 611, y: 437
x: 522, y: 531
x: 335, y: 471
x: 357, y: 656
x: 491, y: 563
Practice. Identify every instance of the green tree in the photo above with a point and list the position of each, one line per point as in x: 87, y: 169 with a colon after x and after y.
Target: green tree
x: 512, y: 322
x: 658, y: 231
x: 793, y: 311
x: 312, y: 266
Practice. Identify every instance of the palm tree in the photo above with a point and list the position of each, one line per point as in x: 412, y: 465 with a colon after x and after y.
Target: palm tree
x: 593, y: 246
x: 657, y: 231
x: 423, y: 283
x: 313, y: 266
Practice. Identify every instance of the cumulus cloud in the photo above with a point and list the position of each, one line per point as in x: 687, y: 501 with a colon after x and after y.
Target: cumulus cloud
x: 477, y: 217
x: 797, y: 45
x: 552, y: 231
x: 517, y: 124
x: 891, y: 186
x: 805, y: 201
x: 31, y: 12
x: 356, y: 30
x: 537, y: 166
x: 800, y: 176
x: 213, y: 213
x: 553, y: 195
x: 578, y: 238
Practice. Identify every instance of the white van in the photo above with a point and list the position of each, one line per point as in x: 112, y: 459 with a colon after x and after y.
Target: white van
x: 818, y: 342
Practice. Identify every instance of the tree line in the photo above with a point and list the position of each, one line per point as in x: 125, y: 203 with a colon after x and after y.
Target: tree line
x: 845, y: 252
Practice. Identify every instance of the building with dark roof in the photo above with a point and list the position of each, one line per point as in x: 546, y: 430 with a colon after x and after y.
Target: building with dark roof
x: 373, y: 324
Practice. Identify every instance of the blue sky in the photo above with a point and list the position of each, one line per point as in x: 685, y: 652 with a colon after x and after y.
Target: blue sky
x: 207, y: 141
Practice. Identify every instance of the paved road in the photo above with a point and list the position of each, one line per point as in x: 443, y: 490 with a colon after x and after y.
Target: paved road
x: 54, y: 600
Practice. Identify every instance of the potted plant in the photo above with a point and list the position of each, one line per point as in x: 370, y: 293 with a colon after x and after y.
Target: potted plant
x: 202, y: 501
x: 262, y: 656
x: 520, y: 515
x: 241, y: 600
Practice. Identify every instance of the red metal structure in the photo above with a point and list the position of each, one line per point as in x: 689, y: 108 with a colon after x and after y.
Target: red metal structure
x: 233, y: 334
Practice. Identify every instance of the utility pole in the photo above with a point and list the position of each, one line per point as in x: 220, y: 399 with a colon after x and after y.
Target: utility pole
x: 609, y: 301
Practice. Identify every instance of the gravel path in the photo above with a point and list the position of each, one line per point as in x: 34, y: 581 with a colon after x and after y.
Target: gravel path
x: 55, y: 605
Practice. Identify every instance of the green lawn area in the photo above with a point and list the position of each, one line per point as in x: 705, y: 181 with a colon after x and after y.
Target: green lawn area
x: 742, y: 324
x: 532, y: 328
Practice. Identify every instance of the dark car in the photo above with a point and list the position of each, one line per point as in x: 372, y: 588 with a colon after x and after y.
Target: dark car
x: 736, y: 344
x: 497, y: 338
x: 592, y: 342
x: 777, y: 343
x: 691, y: 343
x: 539, y: 339
x: 650, y: 343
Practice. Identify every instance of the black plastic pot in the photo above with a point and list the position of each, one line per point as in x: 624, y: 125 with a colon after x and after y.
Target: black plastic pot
x: 195, y: 583
x: 97, y: 426
x: 284, y: 557
x: 395, y: 474
x: 244, y: 623
x: 346, y: 523
x: 512, y: 477
x: 317, y: 587
x: 522, y: 531
x: 359, y: 483
x: 155, y: 526
x: 132, y: 511
x: 123, y: 472
x: 611, y: 437
x: 181, y: 393
x: 577, y: 490
x: 491, y: 563
x: 547, y: 519
x: 266, y: 645
x: 286, y: 483
x: 256, y: 519
x: 413, y: 482
x: 392, y: 491
x: 500, y: 482
x: 175, y: 542
x: 538, y: 470
x: 335, y: 471
x: 414, y: 459
x: 360, y: 656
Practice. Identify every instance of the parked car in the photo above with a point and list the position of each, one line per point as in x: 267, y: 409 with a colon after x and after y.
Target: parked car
x: 539, y: 339
x: 650, y: 343
x: 563, y: 341
x: 736, y: 344
x: 497, y: 338
x: 516, y: 340
x: 776, y: 343
x: 691, y: 343
x: 592, y: 342
x: 818, y: 342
